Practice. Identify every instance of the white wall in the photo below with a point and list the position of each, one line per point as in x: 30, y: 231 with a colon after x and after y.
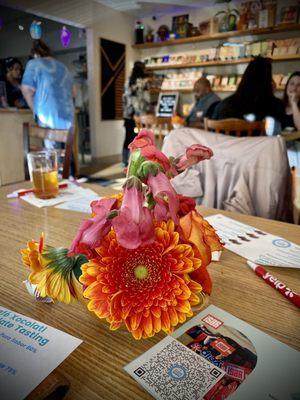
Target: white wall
x: 116, y: 26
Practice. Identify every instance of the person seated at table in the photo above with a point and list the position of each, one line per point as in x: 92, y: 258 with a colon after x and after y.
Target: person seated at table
x: 254, y: 99
x: 205, y: 101
x: 13, y: 77
x: 47, y: 86
x: 291, y: 121
x: 291, y: 100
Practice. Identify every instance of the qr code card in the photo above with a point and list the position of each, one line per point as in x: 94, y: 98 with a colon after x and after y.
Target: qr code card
x: 171, y: 371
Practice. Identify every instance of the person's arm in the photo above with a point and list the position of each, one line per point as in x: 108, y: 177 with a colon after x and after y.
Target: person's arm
x: 29, y: 84
x: 28, y: 93
x: 295, y: 110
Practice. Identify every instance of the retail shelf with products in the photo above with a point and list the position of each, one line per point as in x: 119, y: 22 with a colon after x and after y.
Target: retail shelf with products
x: 215, y: 89
x: 286, y: 57
x: 219, y: 35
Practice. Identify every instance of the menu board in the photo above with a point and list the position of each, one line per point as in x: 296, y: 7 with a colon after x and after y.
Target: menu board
x: 167, y: 104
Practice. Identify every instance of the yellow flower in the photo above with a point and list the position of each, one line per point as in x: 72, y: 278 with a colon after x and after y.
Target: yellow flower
x: 53, y: 271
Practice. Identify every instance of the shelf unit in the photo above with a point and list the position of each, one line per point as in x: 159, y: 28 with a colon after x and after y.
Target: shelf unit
x: 286, y: 57
x: 215, y: 89
x: 220, y: 35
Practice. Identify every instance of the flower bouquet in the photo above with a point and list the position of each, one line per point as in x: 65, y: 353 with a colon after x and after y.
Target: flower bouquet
x: 141, y: 260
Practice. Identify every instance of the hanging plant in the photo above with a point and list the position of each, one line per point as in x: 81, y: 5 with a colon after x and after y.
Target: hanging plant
x: 229, y: 16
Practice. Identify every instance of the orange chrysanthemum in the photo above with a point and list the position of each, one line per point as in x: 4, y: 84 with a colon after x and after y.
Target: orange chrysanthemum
x: 149, y: 288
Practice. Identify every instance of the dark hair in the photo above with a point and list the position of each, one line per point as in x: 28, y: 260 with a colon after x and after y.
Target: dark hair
x: 138, y: 71
x: 10, y: 62
x: 255, y: 88
x: 40, y: 48
x: 285, y: 95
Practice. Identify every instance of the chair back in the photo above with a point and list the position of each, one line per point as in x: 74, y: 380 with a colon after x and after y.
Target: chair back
x: 235, y: 126
x: 160, y: 126
x: 33, y: 141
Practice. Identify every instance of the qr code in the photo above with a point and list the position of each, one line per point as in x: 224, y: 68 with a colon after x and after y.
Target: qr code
x: 177, y: 373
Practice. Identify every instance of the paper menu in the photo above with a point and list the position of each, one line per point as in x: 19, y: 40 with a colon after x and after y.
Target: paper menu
x: 252, y: 365
x: 69, y: 194
x: 255, y: 245
x: 29, y: 352
x: 81, y: 204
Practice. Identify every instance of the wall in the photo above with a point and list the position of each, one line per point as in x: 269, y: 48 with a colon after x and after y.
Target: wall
x: 116, y: 26
x: 20, y: 42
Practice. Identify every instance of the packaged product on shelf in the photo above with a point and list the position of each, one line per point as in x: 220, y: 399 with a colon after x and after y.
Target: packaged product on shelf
x: 264, y: 48
x: 270, y: 48
x: 232, y: 82
x: 278, y: 79
x: 289, y: 15
x: 284, y: 80
x: 270, y: 6
x: 212, y: 53
x: 218, y: 81
x: 239, y: 78
x: 211, y: 79
x: 214, y: 26
x: 224, y: 81
x: 256, y: 49
x: 204, y: 27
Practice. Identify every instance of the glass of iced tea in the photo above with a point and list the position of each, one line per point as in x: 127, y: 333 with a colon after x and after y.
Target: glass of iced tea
x: 43, y: 173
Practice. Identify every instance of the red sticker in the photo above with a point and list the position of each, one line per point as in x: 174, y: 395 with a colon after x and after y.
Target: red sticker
x: 212, y: 321
x: 222, y: 347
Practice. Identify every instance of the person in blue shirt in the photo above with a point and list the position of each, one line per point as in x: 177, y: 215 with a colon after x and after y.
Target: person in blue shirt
x: 47, y: 86
x: 205, y: 101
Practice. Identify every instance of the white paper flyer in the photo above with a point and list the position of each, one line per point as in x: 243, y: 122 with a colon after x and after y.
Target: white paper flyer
x: 215, y: 356
x: 255, y: 245
x: 29, y: 352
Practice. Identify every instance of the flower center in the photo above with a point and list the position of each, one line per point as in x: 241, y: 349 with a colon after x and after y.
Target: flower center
x: 141, y: 272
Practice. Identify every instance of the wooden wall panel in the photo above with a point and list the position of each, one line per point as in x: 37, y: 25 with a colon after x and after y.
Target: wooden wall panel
x: 112, y: 56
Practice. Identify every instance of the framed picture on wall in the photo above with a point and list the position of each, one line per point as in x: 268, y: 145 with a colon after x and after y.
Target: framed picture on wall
x: 180, y: 25
x: 112, y: 60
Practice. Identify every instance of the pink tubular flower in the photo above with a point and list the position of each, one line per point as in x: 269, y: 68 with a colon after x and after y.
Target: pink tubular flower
x: 160, y: 186
x: 91, y: 231
x: 143, y: 139
x: 134, y: 224
x: 151, y: 153
x: 193, y: 155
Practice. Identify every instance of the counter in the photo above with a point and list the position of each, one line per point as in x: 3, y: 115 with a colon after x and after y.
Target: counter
x: 11, y: 144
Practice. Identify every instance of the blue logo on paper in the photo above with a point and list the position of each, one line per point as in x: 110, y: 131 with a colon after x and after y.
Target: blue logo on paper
x: 177, y: 372
x: 281, y: 243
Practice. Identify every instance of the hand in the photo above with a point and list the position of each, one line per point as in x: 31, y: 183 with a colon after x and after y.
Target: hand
x: 293, y: 97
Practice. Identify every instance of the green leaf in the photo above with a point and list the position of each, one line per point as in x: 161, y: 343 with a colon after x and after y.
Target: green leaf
x: 148, y: 167
x: 220, y: 12
x: 80, y: 260
x: 135, y: 161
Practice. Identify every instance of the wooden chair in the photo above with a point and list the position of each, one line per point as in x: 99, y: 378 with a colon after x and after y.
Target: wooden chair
x: 235, y: 126
x: 160, y: 126
x: 33, y: 141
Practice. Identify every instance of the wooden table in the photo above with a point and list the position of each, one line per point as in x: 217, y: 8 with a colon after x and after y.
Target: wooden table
x: 95, y: 369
